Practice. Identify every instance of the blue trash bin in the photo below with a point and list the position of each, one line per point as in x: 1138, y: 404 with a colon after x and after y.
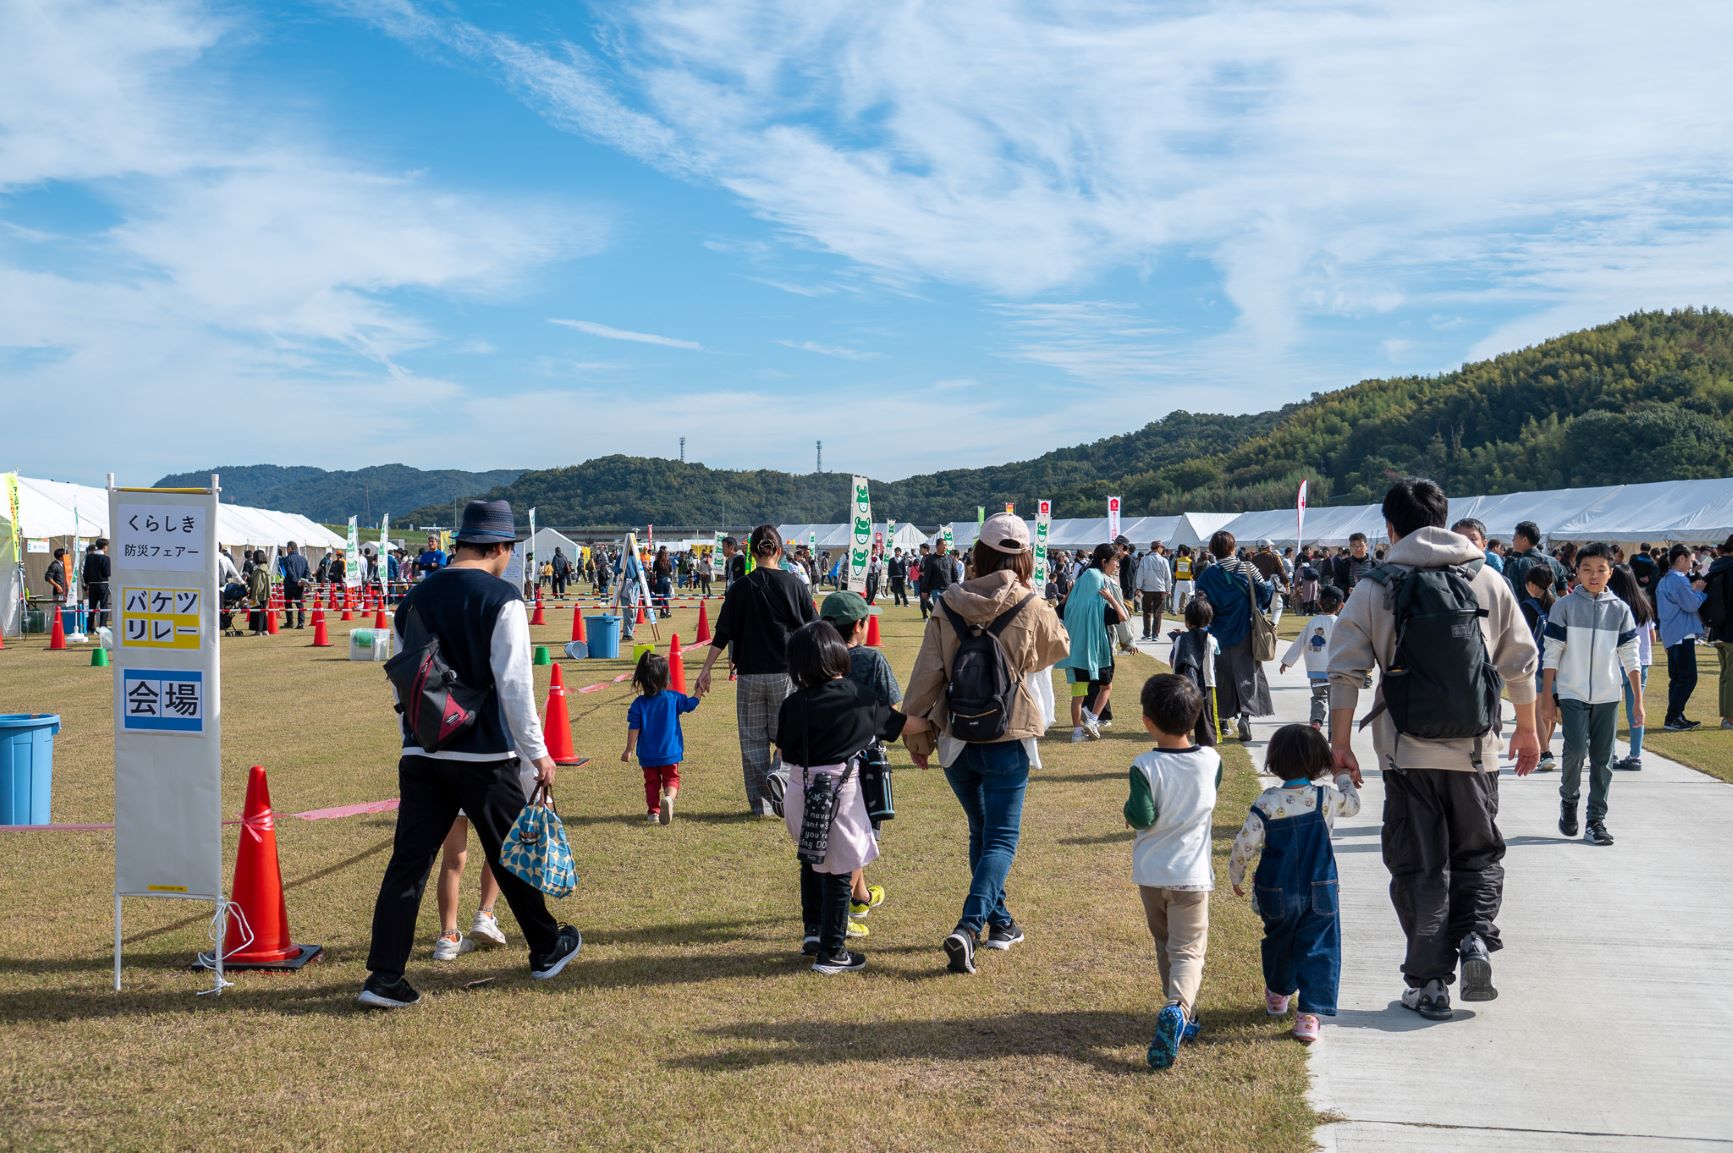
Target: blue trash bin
x: 26, y: 767
x: 604, y: 635
x: 72, y: 619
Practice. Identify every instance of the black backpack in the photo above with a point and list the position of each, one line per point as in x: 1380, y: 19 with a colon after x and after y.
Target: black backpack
x: 1441, y: 683
x: 1715, y: 613
x: 437, y: 706
x: 983, y: 684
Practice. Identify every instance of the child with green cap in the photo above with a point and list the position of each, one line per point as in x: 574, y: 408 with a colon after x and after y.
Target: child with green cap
x: 868, y: 668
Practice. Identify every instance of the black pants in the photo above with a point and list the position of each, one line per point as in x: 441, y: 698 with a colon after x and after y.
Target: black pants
x: 433, y: 791
x: 1153, y: 603
x: 1444, y: 852
x: 294, y: 606
x: 872, y: 589
x: 1681, y: 677
x: 98, y: 597
x: 824, y: 907
x: 899, y: 591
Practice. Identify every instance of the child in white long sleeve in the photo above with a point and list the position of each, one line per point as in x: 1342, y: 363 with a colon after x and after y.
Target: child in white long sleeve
x: 1313, y: 646
x: 1294, y: 890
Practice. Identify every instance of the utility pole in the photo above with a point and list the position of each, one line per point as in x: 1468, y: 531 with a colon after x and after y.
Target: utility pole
x: 682, y: 450
x: 819, y: 467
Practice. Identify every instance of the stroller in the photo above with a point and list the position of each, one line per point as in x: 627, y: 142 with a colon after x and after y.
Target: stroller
x: 234, y: 595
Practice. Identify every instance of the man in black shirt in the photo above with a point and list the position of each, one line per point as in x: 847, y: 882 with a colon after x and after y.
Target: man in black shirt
x: 937, y: 575
x: 734, y: 562
x: 96, y: 572
x: 760, y: 611
x: 897, y: 569
x: 293, y: 566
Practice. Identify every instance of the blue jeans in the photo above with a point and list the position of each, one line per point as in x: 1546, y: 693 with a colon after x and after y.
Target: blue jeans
x: 1630, y: 706
x: 990, y: 781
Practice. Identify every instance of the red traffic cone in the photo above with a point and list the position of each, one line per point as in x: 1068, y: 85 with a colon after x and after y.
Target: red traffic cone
x: 271, y: 622
x: 676, y: 665
x: 703, y: 635
x: 873, y: 632
x: 347, y: 614
x: 57, y: 634
x: 537, y: 618
x: 640, y: 613
x: 258, y: 891
x: 578, y: 623
x: 556, y: 725
x: 379, y: 617
x: 321, y: 638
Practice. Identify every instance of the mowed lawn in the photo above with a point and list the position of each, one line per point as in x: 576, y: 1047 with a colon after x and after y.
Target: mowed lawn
x: 689, y: 1022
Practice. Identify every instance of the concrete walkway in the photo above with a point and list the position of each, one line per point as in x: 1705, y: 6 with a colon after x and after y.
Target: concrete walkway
x: 1613, y: 1030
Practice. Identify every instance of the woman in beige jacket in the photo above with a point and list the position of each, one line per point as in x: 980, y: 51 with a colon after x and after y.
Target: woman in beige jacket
x: 989, y: 777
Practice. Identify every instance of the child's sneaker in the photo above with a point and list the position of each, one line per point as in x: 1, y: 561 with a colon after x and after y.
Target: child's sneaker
x: 1306, y: 1027
x: 450, y: 946
x: 1091, y: 725
x: 1002, y: 937
x: 1596, y: 834
x: 1077, y: 737
x: 653, y: 817
x: 960, y: 951
x: 841, y: 961
x: 1169, y: 1031
x: 1275, y: 1004
x: 1629, y: 764
x: 486, y: 930
x: 1192, y: 1028
x: 875, y: 898
x: 666, y: 814
x: 856, y: 929
x: 809, y: 945
x: 1547, y: 763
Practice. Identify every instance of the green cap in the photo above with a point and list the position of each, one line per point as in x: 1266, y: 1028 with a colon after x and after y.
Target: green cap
x: 844, y: 610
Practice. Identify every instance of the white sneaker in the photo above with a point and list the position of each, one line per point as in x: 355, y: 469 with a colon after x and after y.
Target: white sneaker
x: 1091, y: 725
x: 666, y: 814
x: 1077, y: 737
x: 446, y: 949
x: 486, y: 931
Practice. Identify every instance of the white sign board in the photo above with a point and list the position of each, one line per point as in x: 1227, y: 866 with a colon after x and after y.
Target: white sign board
x: 167, y: 716
x: 861, y: 540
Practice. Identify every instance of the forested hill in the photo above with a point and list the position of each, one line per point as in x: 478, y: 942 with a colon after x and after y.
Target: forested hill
x: 333, y: 497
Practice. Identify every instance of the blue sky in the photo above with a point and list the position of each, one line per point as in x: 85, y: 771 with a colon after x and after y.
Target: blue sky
x: 520, y: 235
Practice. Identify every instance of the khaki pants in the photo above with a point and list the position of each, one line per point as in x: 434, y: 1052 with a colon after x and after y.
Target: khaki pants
x: 1179, y: 922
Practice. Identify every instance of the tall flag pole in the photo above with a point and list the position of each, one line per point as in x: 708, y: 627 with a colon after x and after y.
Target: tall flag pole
x: 1300, y: 518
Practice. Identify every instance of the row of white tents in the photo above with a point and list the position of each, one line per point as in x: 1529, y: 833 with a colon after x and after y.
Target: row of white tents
x: 1689, y: 511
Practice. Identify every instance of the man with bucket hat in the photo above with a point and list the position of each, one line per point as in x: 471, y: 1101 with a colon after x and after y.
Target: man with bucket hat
x: 478, y: 619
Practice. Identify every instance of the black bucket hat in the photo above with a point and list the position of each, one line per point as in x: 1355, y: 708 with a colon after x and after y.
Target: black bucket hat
x: 488, y: 522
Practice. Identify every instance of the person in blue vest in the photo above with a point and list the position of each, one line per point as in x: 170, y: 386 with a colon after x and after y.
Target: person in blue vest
x: 483, y: 632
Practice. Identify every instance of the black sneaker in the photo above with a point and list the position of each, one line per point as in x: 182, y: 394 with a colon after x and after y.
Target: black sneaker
x: 809, y: 945
x: 1476, y: 970
x: 569, y: 944
x: 1431, y: 1001
x: 1629, y: 765
x: 1245, y: 730
x: 398, y: 994
x: 841, y: 961
x: 1567, y: 819
x: 1002, y: 937
x: 960, y: 949
x: 1597, y: 834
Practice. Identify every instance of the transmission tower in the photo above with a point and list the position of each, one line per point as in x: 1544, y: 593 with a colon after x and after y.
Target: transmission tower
x: 682, y: 450
x: 819, y: 467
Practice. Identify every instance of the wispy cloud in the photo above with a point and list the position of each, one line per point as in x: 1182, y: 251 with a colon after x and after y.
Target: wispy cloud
x: 608, y: 332
x: 838, y: 351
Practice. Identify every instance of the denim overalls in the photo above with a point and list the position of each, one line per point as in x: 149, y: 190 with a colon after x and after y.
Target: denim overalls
x: 1295, y: 891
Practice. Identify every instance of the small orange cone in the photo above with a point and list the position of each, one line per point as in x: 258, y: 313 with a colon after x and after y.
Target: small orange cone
x: 556, y: 725
x: 578, y: 623
x: 57, y: 634
x: 271, y: 622
x: 676, y: 666
x: 640, y: 612
x: 258, y: 891
x: 321, y: 638
x: 347, y: 615
x: 873, y: 632
x: 703, y: 636
x: 537, y: 618
x: 379, y: 618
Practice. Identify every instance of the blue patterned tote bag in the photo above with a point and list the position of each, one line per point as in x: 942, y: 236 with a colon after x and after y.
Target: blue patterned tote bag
x: 536, y: 849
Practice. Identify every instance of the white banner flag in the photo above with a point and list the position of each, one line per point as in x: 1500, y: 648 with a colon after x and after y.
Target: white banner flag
x: 1112, y: 518
x: 352, y: 555
x: 861, y: 539
x: 1300, y: 517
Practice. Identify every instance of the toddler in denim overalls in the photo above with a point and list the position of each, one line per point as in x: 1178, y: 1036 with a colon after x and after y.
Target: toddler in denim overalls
x: 1294, y: 888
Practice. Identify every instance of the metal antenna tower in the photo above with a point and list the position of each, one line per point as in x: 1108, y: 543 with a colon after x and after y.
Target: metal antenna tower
x: 682, y: 450
x: 819, y: 467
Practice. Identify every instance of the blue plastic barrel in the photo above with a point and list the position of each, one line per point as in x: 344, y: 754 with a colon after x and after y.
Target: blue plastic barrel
x: 72, y: 619
x: 604, y: 634
x: 26, y: 767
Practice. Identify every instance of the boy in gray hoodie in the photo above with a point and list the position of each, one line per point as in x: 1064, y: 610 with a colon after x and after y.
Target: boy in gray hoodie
x: 1591, y: 652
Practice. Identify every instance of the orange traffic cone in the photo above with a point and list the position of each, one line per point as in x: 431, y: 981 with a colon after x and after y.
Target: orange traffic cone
x: 703, y: 636
x: 640, y: 612
x: 257, y: 892
x: 379, y: 618
x: 271, y: 622
x: 873, y: 632
x: 578, y: 623
x: 57, y: 634
x: 556, y: 725
x: 537, y: 618
x: 321, y: 638
x: 676, y: 666
x: 347, y: 615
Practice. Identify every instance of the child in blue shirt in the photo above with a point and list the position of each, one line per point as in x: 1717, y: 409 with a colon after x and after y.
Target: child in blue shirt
x: 653, y: 732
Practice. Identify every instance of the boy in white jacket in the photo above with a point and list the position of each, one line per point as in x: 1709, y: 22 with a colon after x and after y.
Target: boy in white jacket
x: 1173, y: 796
x: 1313, y: 644
x: 1591, y: 653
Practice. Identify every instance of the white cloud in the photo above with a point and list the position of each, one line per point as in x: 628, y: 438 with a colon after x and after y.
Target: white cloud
x: 836, y: 351
x: 606, y: 332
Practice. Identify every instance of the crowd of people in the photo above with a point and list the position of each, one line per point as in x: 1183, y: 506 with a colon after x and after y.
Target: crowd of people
x: 1455, y: 626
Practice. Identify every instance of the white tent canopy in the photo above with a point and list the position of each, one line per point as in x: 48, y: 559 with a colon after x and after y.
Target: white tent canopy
x: 548, y: 539
x: 838, y: 536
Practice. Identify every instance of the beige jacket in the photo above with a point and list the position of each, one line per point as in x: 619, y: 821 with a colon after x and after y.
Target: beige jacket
x: 1034, y: 640
x: 1365, y: 638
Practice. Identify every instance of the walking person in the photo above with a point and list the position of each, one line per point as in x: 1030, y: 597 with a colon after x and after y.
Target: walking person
x: 1235, y: 591
x: 937, y: 575
x: 1091, y: 611
x: 1717, y: 614
x: 562, y: 571
x: 96, y: 574
x: 1183, y: 579
x: 897, y: 570
x: 1154, y: 578
x: 760, y: 612
x: 1525, y: 553
x: 1441, y: 841
x: 1678, y: 599
x: 483, y: 633
x: 985, y: 749
x: 1625, y: 587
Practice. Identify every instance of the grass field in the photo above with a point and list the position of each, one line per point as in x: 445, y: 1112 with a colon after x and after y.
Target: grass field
x: 689, y: 1022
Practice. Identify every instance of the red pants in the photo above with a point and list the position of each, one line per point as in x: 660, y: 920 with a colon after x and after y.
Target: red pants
x: 656, y: 778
